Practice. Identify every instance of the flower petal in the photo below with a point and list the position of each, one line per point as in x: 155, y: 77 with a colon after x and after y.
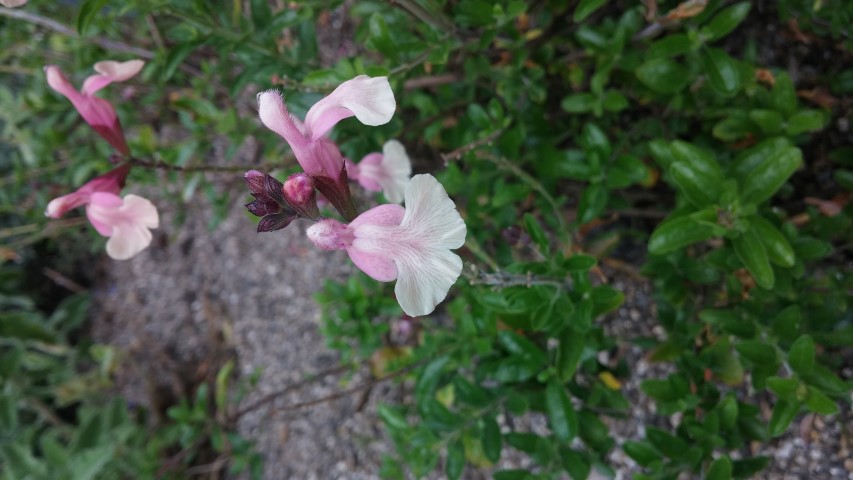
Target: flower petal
x: 274, y: 115
x: 127, y: 240
x: 101, y: 211
x: 110, y: 71
x: 424, y: 280
x: 398, y: 169
x: 370, y: 172
x: 12, y: 3
x: 57, y: 81
x: 377, y: 241
x: 431, y: 215
x: 61, y: 205
x: 371, y: 100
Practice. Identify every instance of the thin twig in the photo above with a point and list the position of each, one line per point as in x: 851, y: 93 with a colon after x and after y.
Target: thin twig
x: 289, y: 388
x: 213, y: 467
x: 430, y: 81
x: 349, y: 391
x: 62, y: 280
x: 504, y: 280
x: 461, y: 151
x: 160, y: 165
x: 48, y: 23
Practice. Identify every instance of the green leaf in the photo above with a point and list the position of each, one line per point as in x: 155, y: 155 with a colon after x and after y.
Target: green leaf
x: 536, y: 233
x: 722, y: 71
x: 783, y: 414
x: 724, y: 22
x: 769, y: 121
x: 393, y: 419
x: 614, y: 101
x: 605, y: 299
x: 87, y: 12
x: 428, y: 380
x: 579, y: 103
x: 749, y: 467
x: 752, y: 254
x: 669, y: 445
x: 783, y: 96
x: 19, y: 462
x: 455, y: 462
x: 805, y: 121
x: 25, y: 326
x: 569, y: 353
x: 819, y: 403
x: 593, y: 138
x: 592, y: 203
x: 663, y: 75
x: 677, y: 233
x: 516, y: 474
x: 757, y: 352
x: 728, y: 412
x: 575, y: 464
x: 561, y: 413
x: 87, y: 464
x: 810, y: 248
x: 801, y: 356
x: 174, y: 59
x: 669, y: 46
x: 701, y: 189
x: 720, y: 469
x: 762, y: 181
x: 746, y: 161
x: 642, y: 452
x: 380, y: 38
x: 586, y: 8
x: 779, y: 251
x: 578, y: 263
x: 787, y: 322
x: 784, y: 388
x: 491, y: 439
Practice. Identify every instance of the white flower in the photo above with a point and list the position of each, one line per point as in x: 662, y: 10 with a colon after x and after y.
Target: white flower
x: 411, y: 245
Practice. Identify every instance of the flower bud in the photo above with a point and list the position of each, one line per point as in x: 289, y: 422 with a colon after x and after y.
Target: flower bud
x: 269, y: 202
x: 299, y: 192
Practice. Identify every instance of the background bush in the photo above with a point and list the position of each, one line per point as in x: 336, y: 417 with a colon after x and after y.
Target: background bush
x: 672, y: 142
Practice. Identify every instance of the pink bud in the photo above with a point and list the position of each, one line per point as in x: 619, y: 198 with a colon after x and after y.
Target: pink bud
x: 299, y: 192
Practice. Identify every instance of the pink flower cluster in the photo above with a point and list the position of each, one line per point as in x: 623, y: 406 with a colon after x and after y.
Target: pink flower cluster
x: 411, y: 245
x: 126, y: 221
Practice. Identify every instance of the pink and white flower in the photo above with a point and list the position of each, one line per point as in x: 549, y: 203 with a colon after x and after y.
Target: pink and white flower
x: 387, y: 172
x: 12, y: 3
x: 411, y: 245
x: 97, y: 112
x: 126, y: 221
x: 370, y: 100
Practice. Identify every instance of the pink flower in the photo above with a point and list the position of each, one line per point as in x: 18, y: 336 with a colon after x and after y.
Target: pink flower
x: 411, y: 245
x: 387, y: 172
x: 110, y: 182
x: 12, y: 3
x: 126, y: 221
x: 97, y: 112
x: 370, y: 100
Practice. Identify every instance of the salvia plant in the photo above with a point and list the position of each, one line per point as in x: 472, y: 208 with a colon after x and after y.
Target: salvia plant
x: 517, y: 169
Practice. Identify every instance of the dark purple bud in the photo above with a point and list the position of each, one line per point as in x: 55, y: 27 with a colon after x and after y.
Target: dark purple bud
x: 275, y: 221
x: 255, y: 180
x: 299, y: 192
x: 259, y: 208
